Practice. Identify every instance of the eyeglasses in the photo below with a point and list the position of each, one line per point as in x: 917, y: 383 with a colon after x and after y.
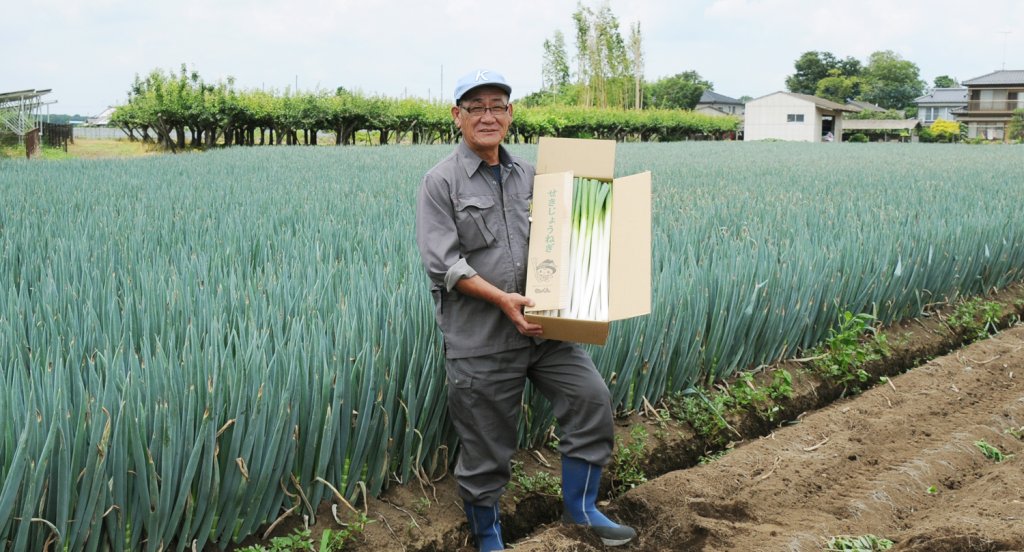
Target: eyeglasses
x: 478, y: 110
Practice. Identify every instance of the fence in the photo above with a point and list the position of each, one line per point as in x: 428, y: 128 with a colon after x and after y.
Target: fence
x: 58, y: 136
x: 100, y: 133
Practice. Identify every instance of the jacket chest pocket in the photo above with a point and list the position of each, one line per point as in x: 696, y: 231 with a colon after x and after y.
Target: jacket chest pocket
x: 471, y: 219
x: 518, y: 217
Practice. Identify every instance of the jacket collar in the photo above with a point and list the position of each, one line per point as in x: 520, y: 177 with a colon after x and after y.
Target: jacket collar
x: 471, y: 162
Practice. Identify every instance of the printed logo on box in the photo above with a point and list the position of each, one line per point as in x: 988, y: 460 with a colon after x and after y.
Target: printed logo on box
x: 545, y: 271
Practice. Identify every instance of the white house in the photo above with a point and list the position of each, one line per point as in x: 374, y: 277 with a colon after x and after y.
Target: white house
x: 940, y: 103
x: 794, y: 117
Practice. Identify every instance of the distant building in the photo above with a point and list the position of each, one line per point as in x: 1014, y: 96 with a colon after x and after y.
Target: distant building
x: 940, y: 103
x: 991, y: 101
x: 103, y: 118
x: 713, y: 103
x: 884, y: 130
x: 861, y: 105
x: 794, y: 117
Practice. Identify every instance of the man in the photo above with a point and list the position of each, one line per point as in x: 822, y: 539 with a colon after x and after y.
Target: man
x: 472, y: 228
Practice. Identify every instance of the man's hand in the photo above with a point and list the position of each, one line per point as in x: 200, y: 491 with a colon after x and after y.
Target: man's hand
x: 512, y: 305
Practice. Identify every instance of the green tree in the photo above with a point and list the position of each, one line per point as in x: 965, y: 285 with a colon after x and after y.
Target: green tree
x: 679, y: 91
x: 605, y: 70
x: 811, y: 67
x: 840, y: 88
x: 555, y: 67
x: 894, y: 82
x: 946, y: 81
x: 1016, y: 126
x: 636, y: 59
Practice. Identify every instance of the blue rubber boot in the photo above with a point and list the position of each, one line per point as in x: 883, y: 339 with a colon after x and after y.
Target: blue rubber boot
x: 580, y: 482
x: 485, y: 524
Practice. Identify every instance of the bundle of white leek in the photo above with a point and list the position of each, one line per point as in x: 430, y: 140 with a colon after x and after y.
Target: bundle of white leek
x: 589, y: 243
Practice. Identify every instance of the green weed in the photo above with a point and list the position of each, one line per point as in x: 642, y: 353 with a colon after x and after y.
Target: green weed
x: 626, y: 466
x: 863, y: 543
x: 991, y: 452
x: 332, y: 540
x: 849, y: 347
x: 709, y: 458
x: 705, y: 415
x: 975, y: 318
x: 421, y: 505
x: 1016, y: 432
x: 539, y: 482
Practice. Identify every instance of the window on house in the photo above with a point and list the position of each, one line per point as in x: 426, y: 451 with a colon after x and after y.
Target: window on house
x: 795, y: 118
x: 990, y: 131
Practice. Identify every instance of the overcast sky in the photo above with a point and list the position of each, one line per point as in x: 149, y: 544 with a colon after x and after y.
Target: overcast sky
x: 88, y: 51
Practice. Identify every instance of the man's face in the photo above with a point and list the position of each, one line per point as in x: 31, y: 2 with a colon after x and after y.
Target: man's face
x: 487, y: 129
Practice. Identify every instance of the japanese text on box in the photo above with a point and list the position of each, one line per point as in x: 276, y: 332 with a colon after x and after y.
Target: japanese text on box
x: 549, y: 230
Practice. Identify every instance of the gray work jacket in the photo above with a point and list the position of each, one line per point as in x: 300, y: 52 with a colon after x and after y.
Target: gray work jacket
x: 467, y: 224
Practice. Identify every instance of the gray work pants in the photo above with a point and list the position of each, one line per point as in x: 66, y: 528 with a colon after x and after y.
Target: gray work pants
x: 484, y: 402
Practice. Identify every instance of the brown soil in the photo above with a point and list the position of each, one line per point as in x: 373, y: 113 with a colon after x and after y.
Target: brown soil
x: 862, y: 465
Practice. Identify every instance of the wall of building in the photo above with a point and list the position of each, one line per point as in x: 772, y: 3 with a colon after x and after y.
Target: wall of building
x: 769, y: 118
x: 929, y: 114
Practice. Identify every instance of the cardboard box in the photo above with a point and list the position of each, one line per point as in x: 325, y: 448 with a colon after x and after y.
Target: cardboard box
x: 559, y: 160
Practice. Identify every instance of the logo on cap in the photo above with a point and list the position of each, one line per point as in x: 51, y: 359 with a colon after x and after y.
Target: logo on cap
x: 481, y: 76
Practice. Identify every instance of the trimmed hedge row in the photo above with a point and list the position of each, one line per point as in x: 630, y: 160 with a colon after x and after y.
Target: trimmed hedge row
x: 172, y: 107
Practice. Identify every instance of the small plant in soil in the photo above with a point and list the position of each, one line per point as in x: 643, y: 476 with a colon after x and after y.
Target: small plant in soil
x: 421, y: 505
x: 933, y: 490
x: 848, y: 348
x: 301, y: 540
x: 705, y: 415
x: 975, y: 318
x: 863, y: 543
x: 1016, y: 432
x: 991, y: 452
x: 625, y: 466
x: 709, y: 458
x: 539, y: 482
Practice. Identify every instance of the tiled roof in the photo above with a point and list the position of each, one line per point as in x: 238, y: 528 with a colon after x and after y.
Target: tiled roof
x: 944, y: 96
x: 713, y: 97
x: 822, y: 102
x: 865, y: 106
x: 997, y: 78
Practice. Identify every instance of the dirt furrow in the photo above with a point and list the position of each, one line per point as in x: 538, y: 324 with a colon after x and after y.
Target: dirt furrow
x: 899, y: 461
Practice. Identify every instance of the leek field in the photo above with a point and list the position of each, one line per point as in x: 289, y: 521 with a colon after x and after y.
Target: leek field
x: 192, y: 346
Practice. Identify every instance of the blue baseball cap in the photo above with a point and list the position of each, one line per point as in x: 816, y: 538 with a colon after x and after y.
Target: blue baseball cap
x: 480, y: 77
